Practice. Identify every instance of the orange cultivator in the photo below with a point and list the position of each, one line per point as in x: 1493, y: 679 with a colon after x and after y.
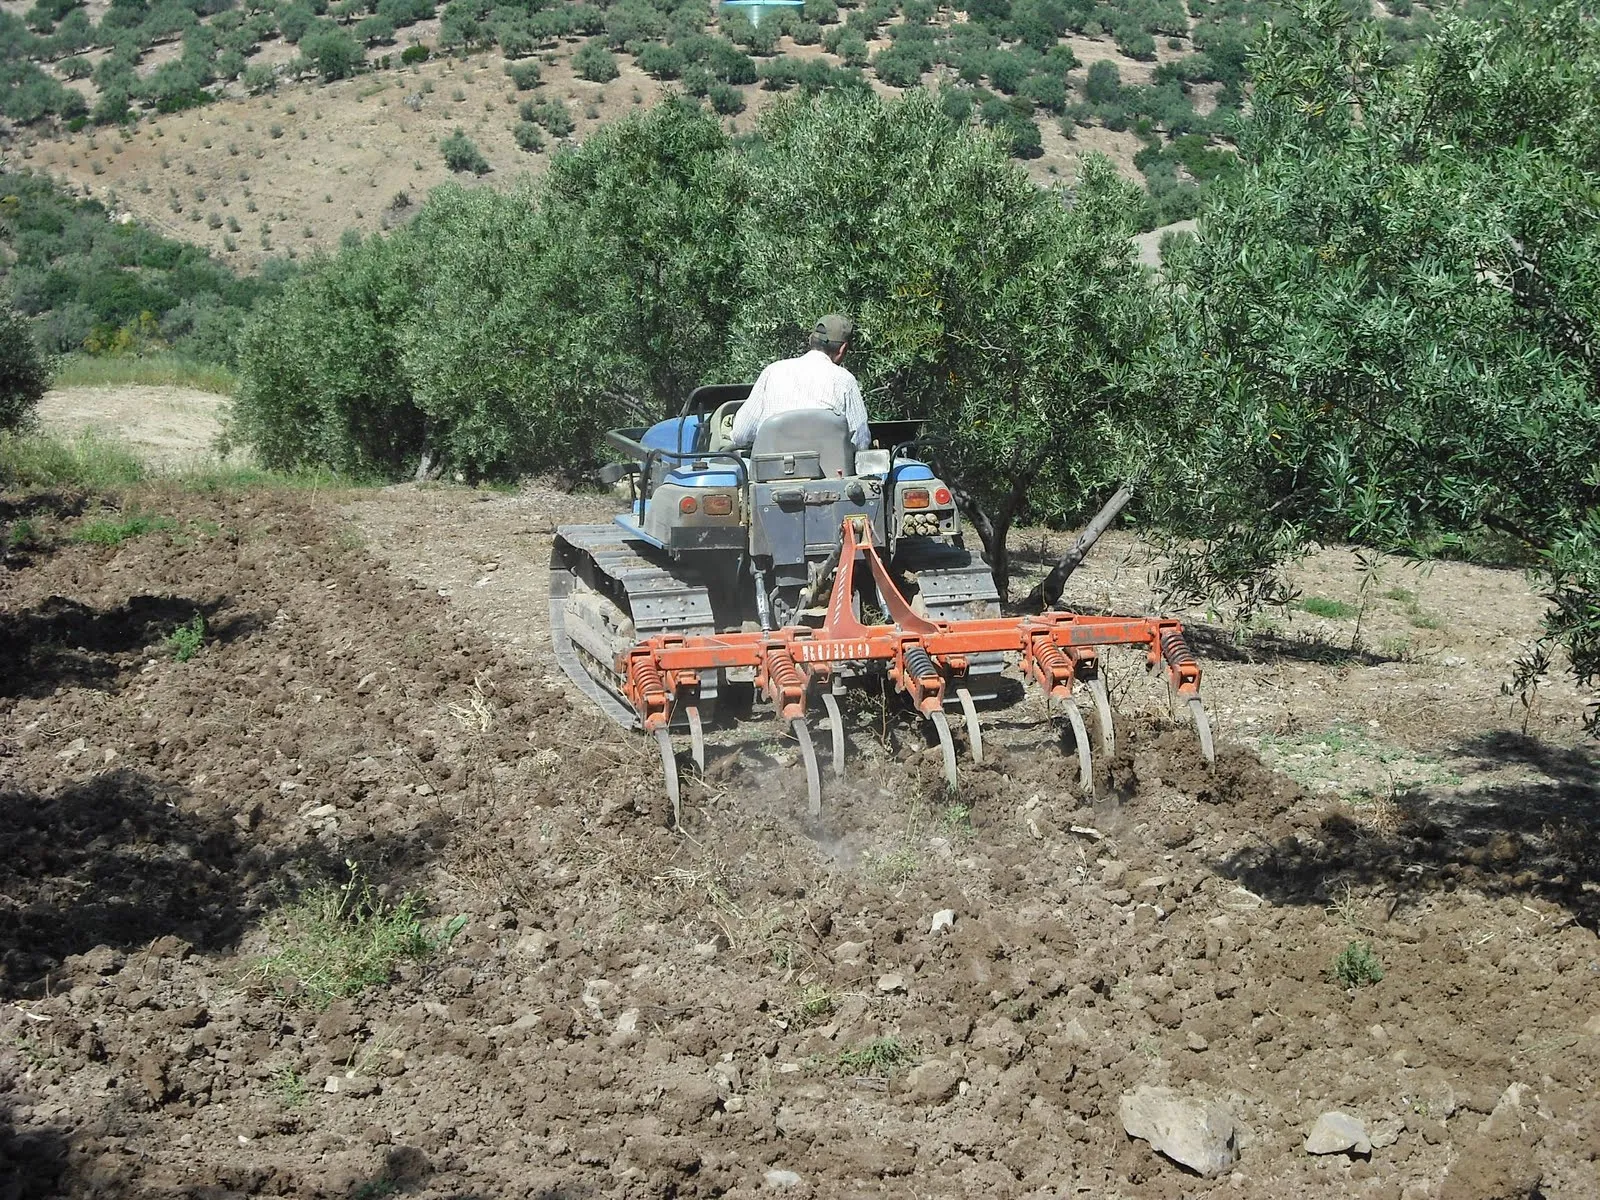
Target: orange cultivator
x: 926, y: 659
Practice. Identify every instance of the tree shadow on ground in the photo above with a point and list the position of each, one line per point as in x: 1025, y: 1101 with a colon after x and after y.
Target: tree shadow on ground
x: 1533, y: 835
x: 20, y: 545
x: 121, y: 860
x: 65, y: 643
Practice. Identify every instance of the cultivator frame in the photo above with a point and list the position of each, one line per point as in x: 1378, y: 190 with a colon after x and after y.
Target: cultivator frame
x: 924, y: 658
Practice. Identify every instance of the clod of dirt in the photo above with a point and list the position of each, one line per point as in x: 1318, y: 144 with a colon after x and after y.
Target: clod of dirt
x: 1198, y: 1134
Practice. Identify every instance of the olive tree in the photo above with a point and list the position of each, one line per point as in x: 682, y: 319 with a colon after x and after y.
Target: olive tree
x: 1385, y: 330
x: 1012, y: 319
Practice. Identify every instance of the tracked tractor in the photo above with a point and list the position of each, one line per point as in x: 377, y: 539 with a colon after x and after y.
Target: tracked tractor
x: 783, y: 573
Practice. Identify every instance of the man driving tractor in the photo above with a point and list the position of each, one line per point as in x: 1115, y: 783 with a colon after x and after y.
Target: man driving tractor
x: 814, y: 380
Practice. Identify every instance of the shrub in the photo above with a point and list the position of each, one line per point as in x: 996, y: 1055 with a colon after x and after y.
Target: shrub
x: 461, y: 153
x: 528, y: 136
x: 524, y: 75
x: 663, y: 62
x: 414, y: 53
x: 595, y: 63
x: 725, y: 99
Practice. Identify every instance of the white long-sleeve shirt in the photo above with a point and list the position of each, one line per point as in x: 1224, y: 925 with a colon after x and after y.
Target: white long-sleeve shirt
x: 811, y: 381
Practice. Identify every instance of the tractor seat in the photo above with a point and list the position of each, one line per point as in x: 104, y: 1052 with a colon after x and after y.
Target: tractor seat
x: 804, y: 444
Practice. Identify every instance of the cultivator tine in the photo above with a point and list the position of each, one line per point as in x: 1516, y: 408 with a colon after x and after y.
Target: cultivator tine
x: 669, y: 768
x: 836, y: 726
x: 1202, y: 727
x: 1102, y: 714
x: 947, y: 745
x: 697, y: 737
x: 974, y: 733
x: 808, y: 753
x: 1080, y: 733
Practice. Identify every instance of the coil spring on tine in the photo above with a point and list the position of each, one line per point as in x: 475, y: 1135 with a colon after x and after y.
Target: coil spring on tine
x: 920, y: 663
x: 1176, y: 650
x: 1051, y: 658
x: 783, y: 672
x: 647, y: 676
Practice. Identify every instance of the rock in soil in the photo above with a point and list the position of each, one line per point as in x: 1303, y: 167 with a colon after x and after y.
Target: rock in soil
x: 1197, y: 1133
x: 1338, y: 1133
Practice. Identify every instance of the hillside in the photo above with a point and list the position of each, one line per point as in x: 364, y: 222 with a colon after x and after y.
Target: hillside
x: 216, y: 128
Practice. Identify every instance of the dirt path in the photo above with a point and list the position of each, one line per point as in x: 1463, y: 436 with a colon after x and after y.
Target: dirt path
x: 757, y: 1005
x: 165, y: 426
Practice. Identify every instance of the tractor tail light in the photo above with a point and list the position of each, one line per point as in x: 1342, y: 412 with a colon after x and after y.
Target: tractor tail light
x: 914, y: 498
x: 718, y: 506
x: 942, y: 497
x: 688, y: 505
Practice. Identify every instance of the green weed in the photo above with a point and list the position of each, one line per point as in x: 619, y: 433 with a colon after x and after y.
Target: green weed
x: 113, y: 531
x: 1321, y: 606
x: 185, y: 641
x: 1357, y: 965
x: 877, y: 1057
x: 87, y: 461
x: 290, y: 1087
x: 816, y: 1002
x: 339, y: 941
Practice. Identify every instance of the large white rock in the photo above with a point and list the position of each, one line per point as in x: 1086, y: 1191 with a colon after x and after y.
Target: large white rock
x: 1197, y: 1133
x: 1338, y: 1133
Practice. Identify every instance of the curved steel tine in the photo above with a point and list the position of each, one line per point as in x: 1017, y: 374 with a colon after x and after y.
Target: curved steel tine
x: 697, y: 737
x: 1102, y: 712
x: 808, y: 753
x: 669, y: 768
x: 947, y: 745
x: 1080, y: 732
x: 1202, y: 726
x: 836, y: 724
x: 974, y: 733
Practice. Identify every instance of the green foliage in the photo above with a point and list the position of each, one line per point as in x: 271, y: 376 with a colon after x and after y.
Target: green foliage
x: 595, y: 63
x: 113, y: 531
x: 1321, y: 606
x: 24, y: 371
x: 331, y: 52
x: 1011, y: 322
x: 1357, y: 966
x: 1386, y: 329
x: 336, y: 942
x: 552, y: 114
x: 877, y: 1057
x: 185, y: 641
x: 415, y: 53
x: 524, y: 75
x: 461, y: 153
x: 88, y: 462
x: 122, y: 288
x: 528, y: 136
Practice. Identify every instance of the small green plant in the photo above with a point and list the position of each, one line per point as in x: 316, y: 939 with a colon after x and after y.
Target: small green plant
x: 958, y: 818
x: 339, y: 941
x: 896, y: 866
x: 289, y: 1086
x: 877, y: 1057
x: 816, y: 1002
x: 185, y: 641
x: 1357, y: 965
x: 113, y: 531
x: 1321, y: 606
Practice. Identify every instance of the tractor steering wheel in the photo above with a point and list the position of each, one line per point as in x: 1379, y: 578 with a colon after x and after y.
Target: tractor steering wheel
x: 721, y: 424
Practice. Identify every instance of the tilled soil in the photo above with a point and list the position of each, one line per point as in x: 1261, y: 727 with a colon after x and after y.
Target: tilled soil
x: 756, y: 1003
